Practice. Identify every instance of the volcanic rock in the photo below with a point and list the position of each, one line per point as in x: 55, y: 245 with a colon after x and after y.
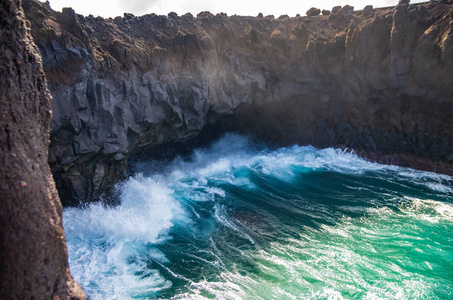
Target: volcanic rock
x: 33, y: 256
x: 335, y: 9
x: 367, y: 10
x: 380, y: 81
x: 313, y: 11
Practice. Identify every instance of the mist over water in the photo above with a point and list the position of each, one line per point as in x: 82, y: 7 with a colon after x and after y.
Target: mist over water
x: 240, y: 221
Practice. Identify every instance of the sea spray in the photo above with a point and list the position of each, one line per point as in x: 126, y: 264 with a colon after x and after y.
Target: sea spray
x: 240, y: 221
x: 110, y: 243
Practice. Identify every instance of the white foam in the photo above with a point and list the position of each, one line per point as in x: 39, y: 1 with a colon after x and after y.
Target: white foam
x: 110, y: 246
x: 428, y: 210
x: 145, y: 213
x: 439, y: 187
x: 436, y: 182
x: 215, y: 191
x: 223, y: 289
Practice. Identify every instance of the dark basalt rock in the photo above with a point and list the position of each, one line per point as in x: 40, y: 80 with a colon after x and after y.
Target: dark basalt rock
x: 205, y: 14
x: 335, y: 9
x: 380, y: 80
x: 368, y: 10
x: 33, y: 257
x: 313, y: 12
x: 346, y: 10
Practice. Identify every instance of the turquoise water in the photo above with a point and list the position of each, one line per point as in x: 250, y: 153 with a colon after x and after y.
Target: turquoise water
x: 240, y: 221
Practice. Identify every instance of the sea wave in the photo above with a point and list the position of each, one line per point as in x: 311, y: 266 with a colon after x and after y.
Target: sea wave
x: 238, y: 220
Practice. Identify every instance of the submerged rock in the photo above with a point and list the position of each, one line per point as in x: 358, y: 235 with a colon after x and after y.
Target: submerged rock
x: 254, y: 222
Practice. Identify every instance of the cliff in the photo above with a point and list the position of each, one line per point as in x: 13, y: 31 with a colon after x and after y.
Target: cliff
x: 379, y: 81
x: 33, y: 257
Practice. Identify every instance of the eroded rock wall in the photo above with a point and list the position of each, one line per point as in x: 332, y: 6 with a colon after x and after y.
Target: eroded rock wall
x: 33, y: 257
x: 375, y: 80
x: 385, y: 86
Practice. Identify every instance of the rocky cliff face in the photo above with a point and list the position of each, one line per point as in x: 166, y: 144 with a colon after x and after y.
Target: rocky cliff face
x: 378, y: 80
x: 33, y: 258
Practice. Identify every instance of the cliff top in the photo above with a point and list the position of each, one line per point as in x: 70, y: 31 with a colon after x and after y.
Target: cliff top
x: 130, y: 42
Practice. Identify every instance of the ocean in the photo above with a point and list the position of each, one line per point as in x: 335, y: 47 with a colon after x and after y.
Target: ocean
x: 239, y: 220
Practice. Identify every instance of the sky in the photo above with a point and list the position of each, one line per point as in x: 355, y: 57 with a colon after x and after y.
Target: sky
x: 112, y: 8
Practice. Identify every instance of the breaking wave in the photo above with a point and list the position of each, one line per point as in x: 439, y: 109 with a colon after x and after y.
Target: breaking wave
x: 240, y: 221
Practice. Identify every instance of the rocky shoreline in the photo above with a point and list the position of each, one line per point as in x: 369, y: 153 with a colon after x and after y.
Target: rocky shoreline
x: 377, y: 80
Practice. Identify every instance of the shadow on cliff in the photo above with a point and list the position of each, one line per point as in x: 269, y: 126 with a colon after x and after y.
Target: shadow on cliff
x: 377, y: 80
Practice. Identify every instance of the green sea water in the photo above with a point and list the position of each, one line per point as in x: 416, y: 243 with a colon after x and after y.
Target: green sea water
x: 240, y: 221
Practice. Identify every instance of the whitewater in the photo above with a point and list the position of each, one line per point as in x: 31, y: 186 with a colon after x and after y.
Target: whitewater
x: 239, y: 220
